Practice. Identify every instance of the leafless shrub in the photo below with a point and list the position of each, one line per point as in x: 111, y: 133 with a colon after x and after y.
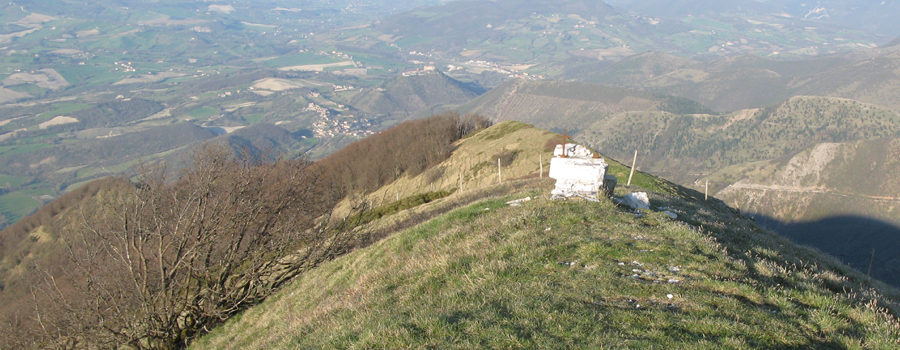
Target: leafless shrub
x: 155, y: 262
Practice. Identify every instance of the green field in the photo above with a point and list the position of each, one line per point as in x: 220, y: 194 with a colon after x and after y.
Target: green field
x: 80, y: 74
x: 16, y: 205
x: 63, y: 109
x: 412, y: 40
x: 203, y: 112
x: 8, y: 181
x: 14, y: 150
x: 299, y: 60
x: 30, y: 89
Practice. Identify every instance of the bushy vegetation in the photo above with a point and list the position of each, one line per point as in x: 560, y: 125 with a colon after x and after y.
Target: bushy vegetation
x: 406, y: 149
x: 150, y: 263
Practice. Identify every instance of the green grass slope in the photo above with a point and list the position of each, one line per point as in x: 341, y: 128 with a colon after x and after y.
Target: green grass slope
x: 473, y: 164
x: 564, y: 274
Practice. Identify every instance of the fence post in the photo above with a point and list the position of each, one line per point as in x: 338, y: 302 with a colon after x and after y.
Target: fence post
x: 633, y: 163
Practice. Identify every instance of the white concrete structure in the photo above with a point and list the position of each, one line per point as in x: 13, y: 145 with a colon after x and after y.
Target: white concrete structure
x: 577, y: 174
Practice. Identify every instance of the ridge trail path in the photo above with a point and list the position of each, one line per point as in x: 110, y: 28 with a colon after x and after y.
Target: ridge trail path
x: 809, y: 189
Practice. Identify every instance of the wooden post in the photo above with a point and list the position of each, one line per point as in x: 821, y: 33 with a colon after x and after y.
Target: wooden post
x: 499, y: 175
x: 541, y: 160
x: 565, y: 136
x: 398, y: 196
x: 460, y: 179
x: 706, y: 191
x: 871, y: 260
x: 633, y: 163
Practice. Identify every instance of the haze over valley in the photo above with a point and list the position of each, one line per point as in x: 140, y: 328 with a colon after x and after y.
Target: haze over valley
x: 786, y: 112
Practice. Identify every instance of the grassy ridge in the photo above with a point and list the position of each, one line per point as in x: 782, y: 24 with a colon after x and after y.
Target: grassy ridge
x: 573, y: 274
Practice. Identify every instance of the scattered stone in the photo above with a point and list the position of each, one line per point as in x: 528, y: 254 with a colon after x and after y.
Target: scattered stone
x: 547, y: 229
x: 674, y: 268
x: 621, y: 264
x: 518, y: 202
x: 637, y: 200
x: 670, y: 296
x: 672, y: 280
x: 670, y: 214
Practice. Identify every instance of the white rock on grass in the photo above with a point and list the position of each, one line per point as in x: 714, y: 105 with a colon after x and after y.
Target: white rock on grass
x: 637, y: 200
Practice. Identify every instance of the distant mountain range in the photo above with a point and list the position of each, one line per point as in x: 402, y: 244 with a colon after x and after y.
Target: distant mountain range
x: 750, y: 81
x: 874, y: 16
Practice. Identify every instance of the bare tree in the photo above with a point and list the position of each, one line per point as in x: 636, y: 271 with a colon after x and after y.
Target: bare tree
x: 159, y: 258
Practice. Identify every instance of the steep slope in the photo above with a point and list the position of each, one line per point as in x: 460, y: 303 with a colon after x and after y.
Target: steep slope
x: 411, y: 94
x: 839, y: 197
x: 552, y: 274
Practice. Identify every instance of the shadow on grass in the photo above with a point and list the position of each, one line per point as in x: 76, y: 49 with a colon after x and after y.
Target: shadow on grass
x: 850, y: 239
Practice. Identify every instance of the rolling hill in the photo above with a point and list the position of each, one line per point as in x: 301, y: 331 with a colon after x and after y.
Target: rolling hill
x: 465, y: 269
x: 568, y: 105
x: 471, y: 271
x: 408, y: 95
x: 751, y: 82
